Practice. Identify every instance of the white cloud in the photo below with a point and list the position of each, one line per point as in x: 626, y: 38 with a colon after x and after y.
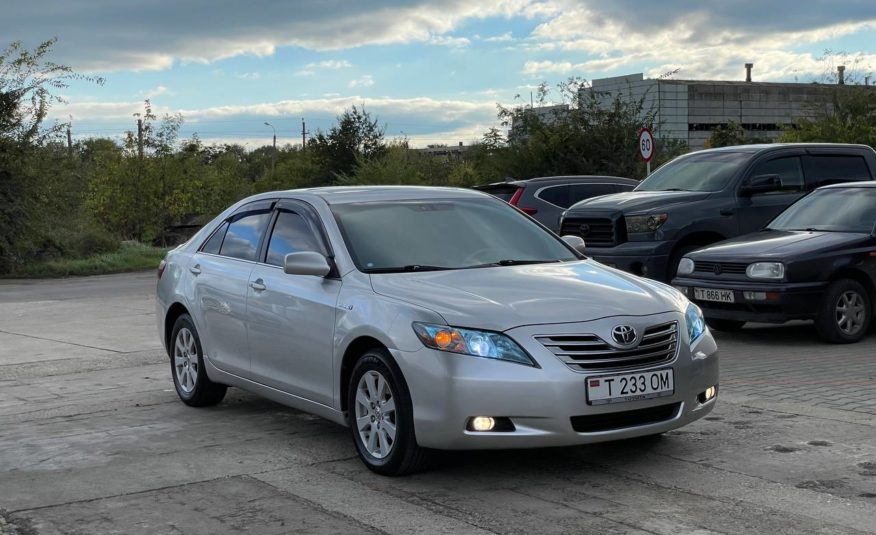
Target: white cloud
x: 453, y: 42
x: 143, y: 37
x: 248, y: 75
x: 332, y: 64
x: 363, y: 81
x: 157, y: 91
x: 503, y: 38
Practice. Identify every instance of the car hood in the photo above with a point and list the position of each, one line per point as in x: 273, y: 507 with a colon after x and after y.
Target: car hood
x: 638, y: 201
x: 501, y: 298
x: 777, y: 244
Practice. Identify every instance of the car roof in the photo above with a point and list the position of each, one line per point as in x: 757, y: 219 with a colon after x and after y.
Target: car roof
x: 763, y: 147
x: 563, y: 178
x: 351, y: 194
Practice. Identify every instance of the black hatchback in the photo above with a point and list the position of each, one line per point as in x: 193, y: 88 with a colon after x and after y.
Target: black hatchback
x: 816, y: 260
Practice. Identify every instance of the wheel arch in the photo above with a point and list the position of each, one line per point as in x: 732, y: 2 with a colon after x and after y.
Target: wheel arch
x: 700, y: 237
x: 354, y: 350
x: 175, y: 310
x: 858, y: 276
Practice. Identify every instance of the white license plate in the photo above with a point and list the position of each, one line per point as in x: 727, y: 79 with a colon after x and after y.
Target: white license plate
x: 630, y: 387
x: 711, y: 294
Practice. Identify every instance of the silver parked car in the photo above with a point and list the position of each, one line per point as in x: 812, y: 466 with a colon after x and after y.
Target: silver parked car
x: 428, y: 318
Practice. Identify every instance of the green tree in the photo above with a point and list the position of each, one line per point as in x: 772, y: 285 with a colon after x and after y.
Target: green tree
x: 356, y: 137
x: 848, y: 116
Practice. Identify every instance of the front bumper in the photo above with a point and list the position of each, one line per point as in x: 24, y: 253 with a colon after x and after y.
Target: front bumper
x: 785, y: 301
x: 542, y: 403
x: 646, y: 258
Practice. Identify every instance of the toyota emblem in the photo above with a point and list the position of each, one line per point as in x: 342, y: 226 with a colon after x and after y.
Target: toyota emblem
x: 624, y: 335
x: 584, y: 229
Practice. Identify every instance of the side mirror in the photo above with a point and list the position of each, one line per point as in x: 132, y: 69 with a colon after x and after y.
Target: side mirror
x: 306, y: 263
x: 576, y: 242
x: 761, y: 184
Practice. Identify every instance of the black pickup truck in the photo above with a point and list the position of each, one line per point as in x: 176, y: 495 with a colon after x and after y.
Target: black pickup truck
x: 707, y: 196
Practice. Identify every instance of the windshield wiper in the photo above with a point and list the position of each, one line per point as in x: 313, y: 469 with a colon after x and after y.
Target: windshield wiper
x: 408, y: 268
x: 515, y: 262
x: 676, y: 189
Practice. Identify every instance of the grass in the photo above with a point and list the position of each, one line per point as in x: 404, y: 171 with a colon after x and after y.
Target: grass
x: 130, y: 257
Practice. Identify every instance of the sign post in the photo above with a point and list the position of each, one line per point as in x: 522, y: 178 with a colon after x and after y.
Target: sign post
x: 646, y: 147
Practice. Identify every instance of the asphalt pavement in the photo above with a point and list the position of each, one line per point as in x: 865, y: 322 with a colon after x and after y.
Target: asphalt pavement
x: 94, y: 440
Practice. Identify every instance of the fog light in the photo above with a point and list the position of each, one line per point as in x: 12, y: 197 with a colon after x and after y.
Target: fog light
x: 709, y: 394
x: 755, y: 296
x: 482, y: 423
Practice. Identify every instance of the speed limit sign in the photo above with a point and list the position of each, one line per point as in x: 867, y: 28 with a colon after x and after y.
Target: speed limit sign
x: 646, y: 144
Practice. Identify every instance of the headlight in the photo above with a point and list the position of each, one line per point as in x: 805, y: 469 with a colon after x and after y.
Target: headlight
x: 766, y: 270
x: 645, y: 223
x: 696, y: 325
x: 685, y: 266
x: 469, y: 342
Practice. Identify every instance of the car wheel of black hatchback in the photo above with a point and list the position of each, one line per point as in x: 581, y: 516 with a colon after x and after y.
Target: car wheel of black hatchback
x: 845, y: 313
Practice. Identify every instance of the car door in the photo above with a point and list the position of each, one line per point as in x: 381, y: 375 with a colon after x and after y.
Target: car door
x: 221, y: 271
x: 291, y: 318
x: 758, y: 209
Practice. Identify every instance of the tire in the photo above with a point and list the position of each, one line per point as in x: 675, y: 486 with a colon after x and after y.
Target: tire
x: 190, y: 379
x: 838, y: 327
x: 382, y: 451
x: 725, y: 325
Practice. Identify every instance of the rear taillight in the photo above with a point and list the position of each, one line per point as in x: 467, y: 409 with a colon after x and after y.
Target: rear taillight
x: 516, y: 199
x: 161, y: 266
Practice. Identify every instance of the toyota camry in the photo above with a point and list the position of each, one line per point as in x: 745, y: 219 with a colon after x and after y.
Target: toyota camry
x: 428, y: 319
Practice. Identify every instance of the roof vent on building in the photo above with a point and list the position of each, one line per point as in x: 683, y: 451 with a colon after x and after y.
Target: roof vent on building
x: 840, y: 75
x: 748, y: 67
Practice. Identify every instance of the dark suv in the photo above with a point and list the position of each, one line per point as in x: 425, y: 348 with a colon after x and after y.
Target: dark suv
x: 546, y: 198
x: 707, y: 196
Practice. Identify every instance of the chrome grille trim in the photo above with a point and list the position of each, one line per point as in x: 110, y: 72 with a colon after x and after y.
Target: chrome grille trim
x: 658, y: 345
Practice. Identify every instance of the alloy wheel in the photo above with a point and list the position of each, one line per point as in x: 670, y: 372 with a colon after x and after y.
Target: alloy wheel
x: 850, y: 312
x: 185, y: 358
x: 375, y: 414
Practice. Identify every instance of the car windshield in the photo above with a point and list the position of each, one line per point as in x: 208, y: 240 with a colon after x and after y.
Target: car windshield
x: 831, y: 210
x: 708, y: 171
x: 424, y: 235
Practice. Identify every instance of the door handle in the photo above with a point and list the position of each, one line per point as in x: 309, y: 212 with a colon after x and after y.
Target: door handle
x: 258, y: 285
x: 726, y: 211
x: 196, y: 269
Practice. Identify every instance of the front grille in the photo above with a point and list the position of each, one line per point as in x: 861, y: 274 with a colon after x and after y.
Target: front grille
x: 595, y: 231
x: 718, y: 268
x: 590, y: 352
x: 594, y: 423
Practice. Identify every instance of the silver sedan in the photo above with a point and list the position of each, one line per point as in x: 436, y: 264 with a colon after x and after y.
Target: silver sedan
x: 425, y: 319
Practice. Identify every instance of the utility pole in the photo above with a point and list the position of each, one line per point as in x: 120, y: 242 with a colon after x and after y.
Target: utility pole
x: 303, y: 135
x: 140, y: 137
x: 273, y: 152
x: 69, y: 141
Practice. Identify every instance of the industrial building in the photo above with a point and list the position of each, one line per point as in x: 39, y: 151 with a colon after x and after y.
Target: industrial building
x: 689, y: 110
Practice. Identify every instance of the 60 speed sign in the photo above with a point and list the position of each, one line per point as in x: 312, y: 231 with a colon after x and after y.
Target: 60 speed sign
x: 646, y: 144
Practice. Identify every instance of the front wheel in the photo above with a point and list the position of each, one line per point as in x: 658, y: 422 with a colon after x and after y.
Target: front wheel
x: 381, y: 417
x: 193, y: 386
x: 845, y: 312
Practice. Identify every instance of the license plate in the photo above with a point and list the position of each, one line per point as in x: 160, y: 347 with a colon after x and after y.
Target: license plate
x: 711, y: 294
x: 630, y: 387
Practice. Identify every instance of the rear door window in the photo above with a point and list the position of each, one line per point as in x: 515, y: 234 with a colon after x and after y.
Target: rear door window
x: 834, y: 169
x: 244, y: 234
x: 789, y: 170
x: 556, y: 195
x: 292, y: 234
x: 213, y: 245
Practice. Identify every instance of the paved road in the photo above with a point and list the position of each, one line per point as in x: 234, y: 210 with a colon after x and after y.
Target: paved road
x: 93, y: 440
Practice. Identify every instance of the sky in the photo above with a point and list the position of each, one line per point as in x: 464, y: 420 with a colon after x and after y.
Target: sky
x: 430, y: 71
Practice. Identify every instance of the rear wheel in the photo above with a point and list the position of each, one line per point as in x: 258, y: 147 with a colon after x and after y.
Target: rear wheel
x: 845, y: 313
x: 187, y: 367
x: 725, y: 325
x: 381, y: 417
